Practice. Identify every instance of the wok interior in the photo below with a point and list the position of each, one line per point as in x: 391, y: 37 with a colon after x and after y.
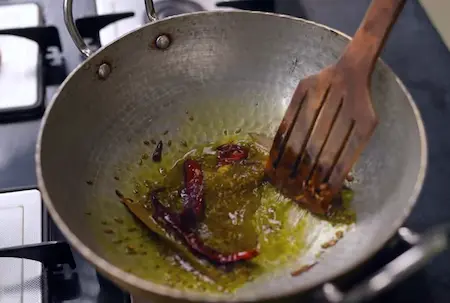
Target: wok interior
x: 231, y: 70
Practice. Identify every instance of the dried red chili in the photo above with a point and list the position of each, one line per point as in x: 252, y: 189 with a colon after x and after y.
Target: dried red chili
x: 196, y: 244
x: 230, y: 153
x: 185, y: 231
x: 192, y: 194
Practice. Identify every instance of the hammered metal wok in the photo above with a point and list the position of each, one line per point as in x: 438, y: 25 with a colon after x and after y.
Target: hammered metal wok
x: 232, y: 69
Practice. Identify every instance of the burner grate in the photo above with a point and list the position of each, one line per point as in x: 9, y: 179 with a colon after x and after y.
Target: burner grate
x: 20, y: 224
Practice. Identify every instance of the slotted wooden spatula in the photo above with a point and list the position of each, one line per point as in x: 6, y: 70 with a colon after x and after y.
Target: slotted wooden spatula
x: 330, y: 118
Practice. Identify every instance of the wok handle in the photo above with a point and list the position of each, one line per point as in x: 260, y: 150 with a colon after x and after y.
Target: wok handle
x: 150, y: 9
x: 75, y: 34
x: 423, y: 248
x: 362, y: 52
x: 73, y: 31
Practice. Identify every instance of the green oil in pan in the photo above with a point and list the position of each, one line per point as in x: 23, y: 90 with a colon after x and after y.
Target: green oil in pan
x: 242, y: 212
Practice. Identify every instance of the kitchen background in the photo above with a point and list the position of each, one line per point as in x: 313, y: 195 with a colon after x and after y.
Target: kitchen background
x: 30, y: 74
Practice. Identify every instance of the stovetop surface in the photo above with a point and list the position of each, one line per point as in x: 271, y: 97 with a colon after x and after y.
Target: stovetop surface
x: 414, y: 51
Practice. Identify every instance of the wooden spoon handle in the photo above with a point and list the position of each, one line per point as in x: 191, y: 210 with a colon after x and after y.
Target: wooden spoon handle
x: 363, y: 51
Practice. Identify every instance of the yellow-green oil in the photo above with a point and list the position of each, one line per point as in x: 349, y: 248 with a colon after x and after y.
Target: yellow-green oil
x: 242, y: 212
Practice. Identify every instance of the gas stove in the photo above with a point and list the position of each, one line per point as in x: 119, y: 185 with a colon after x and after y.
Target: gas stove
x: 36, y: 54
x: 163, y: 8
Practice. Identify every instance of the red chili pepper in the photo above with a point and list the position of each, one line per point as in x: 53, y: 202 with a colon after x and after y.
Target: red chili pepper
x: 196, y: 244
x: 230, y: 153
x: 192, y: 194
x: 174, y: 221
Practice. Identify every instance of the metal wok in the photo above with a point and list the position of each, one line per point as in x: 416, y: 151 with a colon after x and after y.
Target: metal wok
x: 233, y: 69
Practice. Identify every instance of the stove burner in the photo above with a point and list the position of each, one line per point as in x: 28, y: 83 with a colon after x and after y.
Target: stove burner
x: 166, y: 8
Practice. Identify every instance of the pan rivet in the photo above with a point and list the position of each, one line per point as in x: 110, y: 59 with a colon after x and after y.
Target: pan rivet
x: 162, y: 42
x: 103, y: 71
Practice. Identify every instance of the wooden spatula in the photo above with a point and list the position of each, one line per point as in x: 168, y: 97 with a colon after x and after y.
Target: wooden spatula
x: 330, y: 118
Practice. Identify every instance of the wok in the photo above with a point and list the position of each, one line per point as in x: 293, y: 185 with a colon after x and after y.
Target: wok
x: 232, y: 70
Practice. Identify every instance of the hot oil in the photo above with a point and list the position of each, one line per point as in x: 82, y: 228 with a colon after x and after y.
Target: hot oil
x: 242, y: 212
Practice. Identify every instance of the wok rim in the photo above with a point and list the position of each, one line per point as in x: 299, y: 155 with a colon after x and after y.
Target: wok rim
x: 134, y: 282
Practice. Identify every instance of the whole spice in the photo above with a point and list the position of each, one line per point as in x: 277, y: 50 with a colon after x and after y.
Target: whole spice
x: 192, y: 194
x: 230, y: 153
x: 118, y: 220
x: 142, y: 213
x: 157, y: 154
x: 108, y: 231
x: 130, y: 250
x: 302, y: 269
x: 183, y: 226
x: 183, y: 230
